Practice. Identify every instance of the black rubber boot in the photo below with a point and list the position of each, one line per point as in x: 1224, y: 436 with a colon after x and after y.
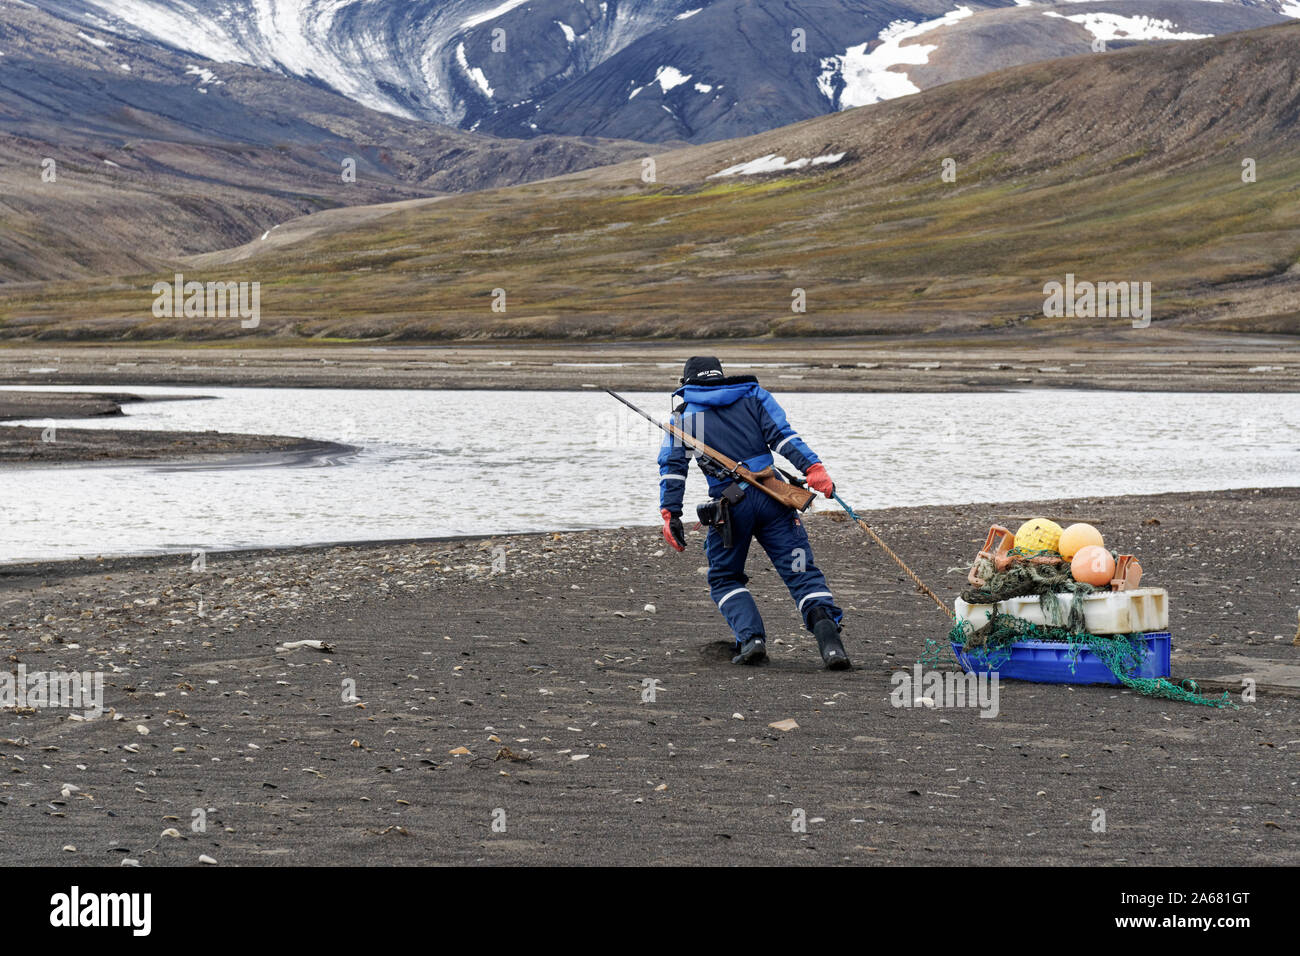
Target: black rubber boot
x: 752, y: 651
x: 827, y: 633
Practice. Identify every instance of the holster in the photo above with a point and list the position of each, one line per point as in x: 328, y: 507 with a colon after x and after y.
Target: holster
x: 716, y: 512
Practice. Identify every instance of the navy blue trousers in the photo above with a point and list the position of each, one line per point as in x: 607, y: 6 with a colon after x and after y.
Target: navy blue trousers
x: 781, y: 534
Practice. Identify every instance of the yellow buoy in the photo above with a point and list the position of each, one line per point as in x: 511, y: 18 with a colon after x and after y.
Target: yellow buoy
x: 1038, y: 534
x: 1078, y: 536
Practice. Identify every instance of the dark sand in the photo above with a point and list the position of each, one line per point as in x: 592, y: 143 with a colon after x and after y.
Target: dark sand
x: 547, y: 657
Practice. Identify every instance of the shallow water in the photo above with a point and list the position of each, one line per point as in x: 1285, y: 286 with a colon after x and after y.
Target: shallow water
x: 456, y: 462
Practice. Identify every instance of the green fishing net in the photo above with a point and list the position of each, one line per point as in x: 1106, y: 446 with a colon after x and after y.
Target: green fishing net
x: 1024, y: 579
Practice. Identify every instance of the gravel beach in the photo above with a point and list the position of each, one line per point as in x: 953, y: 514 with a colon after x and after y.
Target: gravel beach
x: 22, y: 405
x: 481, y: 701
x: 1149, y: 360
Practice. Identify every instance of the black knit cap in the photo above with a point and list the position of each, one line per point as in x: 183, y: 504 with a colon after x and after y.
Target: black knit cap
x: 701, y: 370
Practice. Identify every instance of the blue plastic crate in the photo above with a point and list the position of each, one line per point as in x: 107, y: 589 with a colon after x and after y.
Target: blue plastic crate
x: 1048, y: 662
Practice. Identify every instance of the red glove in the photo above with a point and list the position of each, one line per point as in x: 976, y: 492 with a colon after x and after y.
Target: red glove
x: 673, y: 532
x: 819, y: 481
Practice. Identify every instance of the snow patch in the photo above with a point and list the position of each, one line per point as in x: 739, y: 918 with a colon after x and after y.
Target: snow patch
x: 687, y: 15
x: 205, y: 76
x: 703, y: 88
x: 102, y: 44
x: 473, y: 72
x: 124, y: 67
x: 569, y: 35
x: 492, y: 14
x: 868, y: 77
x: 1113, y: 26
x: 291, y: 37
x: 188, y: 28
x: 669, y: 76
x: 772, y: 163
x: 1291, y: 9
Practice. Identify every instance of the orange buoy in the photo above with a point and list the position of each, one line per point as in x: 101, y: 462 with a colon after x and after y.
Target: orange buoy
x: 1093, y: 565
x: 1078, y: 536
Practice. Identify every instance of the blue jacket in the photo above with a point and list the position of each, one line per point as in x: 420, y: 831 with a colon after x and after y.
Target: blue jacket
x: 734, y: 416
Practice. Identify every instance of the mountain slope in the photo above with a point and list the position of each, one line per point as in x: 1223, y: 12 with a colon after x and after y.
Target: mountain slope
x: 394, y: 55
x: 1126, y: 167
x: 730, y: 70
x: 649, y: 70
x: 169, y: 154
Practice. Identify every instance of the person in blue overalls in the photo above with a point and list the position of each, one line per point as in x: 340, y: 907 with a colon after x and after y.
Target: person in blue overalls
x: 739, y: 419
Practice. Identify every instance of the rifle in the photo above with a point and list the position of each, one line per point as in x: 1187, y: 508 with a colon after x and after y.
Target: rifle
x: 788, y: 493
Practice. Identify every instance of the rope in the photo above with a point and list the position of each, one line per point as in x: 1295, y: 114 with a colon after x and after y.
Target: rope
x: 897, y: 560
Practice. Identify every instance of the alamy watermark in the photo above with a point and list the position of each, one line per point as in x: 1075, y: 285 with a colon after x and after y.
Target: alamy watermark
x: 60, y: 690
x: 127, y: 910
x: 212, y: 300
x: 1114, y: 300
x: 921, y: 688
